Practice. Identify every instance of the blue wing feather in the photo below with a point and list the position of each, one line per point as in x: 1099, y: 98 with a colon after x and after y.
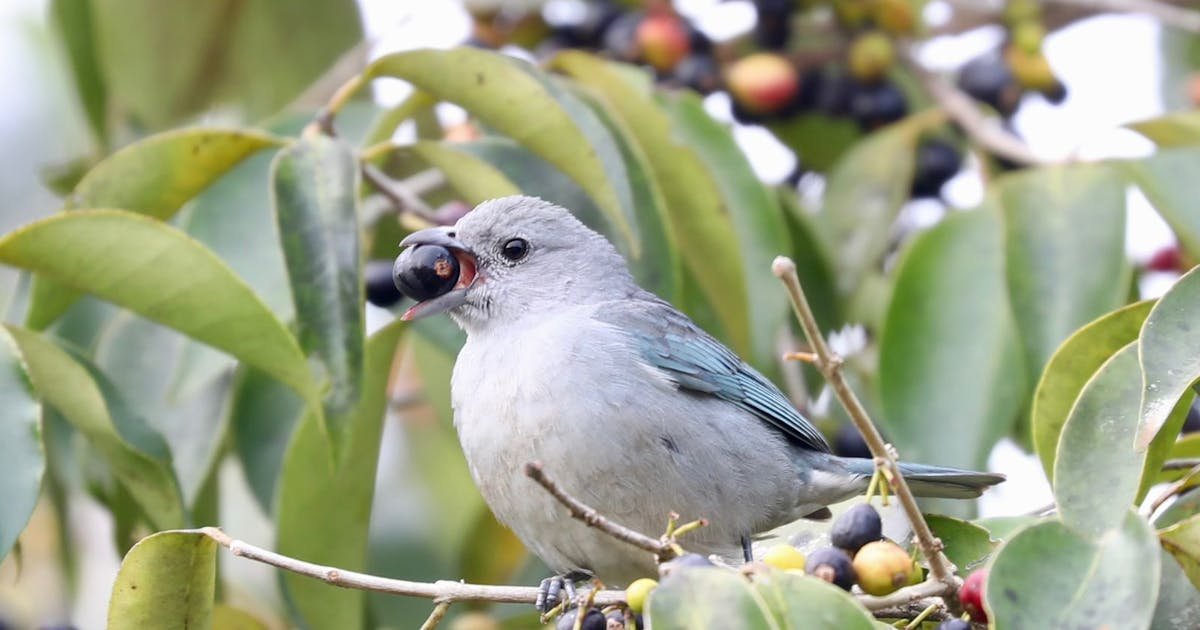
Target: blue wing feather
x: 697, y: 362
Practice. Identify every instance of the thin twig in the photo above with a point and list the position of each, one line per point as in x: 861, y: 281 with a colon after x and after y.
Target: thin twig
x: 401, y: 197
x: 441, y: 591
x: 663, y: 550
x: 1169, y: 14
x: 436, y: 616
x: 1181, y: 464
x: 944, y: 581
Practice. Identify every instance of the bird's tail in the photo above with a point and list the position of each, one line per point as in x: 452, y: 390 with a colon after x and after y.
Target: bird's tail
x: 934, y: 481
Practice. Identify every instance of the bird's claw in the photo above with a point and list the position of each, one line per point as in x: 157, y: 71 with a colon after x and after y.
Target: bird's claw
x: 550, y: 591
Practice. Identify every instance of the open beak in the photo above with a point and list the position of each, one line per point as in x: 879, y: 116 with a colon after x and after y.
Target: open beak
x: 467, y: 275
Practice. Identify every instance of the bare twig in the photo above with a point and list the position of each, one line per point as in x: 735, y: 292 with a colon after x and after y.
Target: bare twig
x: 441, y: 591
x: 1181, y: 464
x: 404, y: 199
x: 436, y: 616
x: 915, y: 596
x: 943, y: 580
x: 1165, y: 12
x: 663, y: 550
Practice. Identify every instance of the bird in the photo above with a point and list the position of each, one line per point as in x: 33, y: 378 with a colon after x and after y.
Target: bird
x: 628, y: 404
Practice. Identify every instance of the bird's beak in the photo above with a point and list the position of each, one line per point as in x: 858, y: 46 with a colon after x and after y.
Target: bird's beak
x: 468, y: 267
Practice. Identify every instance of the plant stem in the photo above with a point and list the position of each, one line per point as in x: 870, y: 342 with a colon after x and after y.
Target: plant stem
x: 436, y: 616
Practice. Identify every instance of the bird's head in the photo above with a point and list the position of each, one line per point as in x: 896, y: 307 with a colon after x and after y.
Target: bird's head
x: 508, y: 258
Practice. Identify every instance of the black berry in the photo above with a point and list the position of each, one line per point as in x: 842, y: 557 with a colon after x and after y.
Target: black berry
x: 987, y: 78
x: 953, y: 624
x: 848, y: 442
x: 873, y: 106
x: 856, y: 527
x: 592, y: 620
x: 832, y: 565
x: 381, y: 288
x: 937, y: 161
x: 424, y: 272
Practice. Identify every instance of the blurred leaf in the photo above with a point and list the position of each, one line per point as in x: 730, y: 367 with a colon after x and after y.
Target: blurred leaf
x: 258, y: 55
x: 704, y: 597
x: 263, y: 413
x: 1176, y: 129
x: 1185, y: 505
x: 1162, y: 445
x: 757, y: 220
x: 1178, y: 62
x: 386, y: 122
x: 1183, y: 541
x: 863, y: 195
x: 491, y: 553
x: 474, y: 179
x: 153, y: 177
x: 22, y: 461
x: 1108, y: 582
x: 818, y: 140
x: 68, y: 386
x: 323, y: 514
x: 812, y: 261
x: 1178, y: 604
x: 143, y: 260
x: 1166, y: 348
x: 75, y: 25
x: 225, y: 617
x: 515, y: 101
x: 1170, y: 179
x: 1071, y: 366
x: 968, y: 545
x: 167, y: 581
x: 951, y: 377
x: 801, y: 601
x: 1003, y: 527
x: 1186, y: 447
x: 314, y: 183
x: 1064, y: 231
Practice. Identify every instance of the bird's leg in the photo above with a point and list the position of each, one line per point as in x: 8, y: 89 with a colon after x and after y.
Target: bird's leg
x: 747, y: 553
x: 551, y: 588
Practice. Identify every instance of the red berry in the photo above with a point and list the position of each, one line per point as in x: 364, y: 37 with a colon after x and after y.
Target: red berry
x: 1166, y: 259
x: 971, y: 595
x: 763, y: 83
x: 663, y: 40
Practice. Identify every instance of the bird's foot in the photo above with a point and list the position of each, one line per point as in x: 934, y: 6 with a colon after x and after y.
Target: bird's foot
x: 552, y: 590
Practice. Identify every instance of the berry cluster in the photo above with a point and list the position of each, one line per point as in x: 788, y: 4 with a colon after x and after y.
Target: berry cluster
x: 1001, y: 77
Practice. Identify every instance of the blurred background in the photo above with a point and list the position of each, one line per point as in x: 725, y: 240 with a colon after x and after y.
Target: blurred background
x: 80, y: 79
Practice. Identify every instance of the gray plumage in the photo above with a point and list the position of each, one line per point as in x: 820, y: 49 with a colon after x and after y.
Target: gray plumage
x: 626, y: 402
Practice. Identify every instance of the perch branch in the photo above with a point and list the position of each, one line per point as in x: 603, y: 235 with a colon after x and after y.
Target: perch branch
x: 403, y: 198
x: 943, y: 580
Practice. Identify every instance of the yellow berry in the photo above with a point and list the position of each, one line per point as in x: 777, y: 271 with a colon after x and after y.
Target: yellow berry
x: 784, y: 557
x: 637, y: 593
x: 882, y: 567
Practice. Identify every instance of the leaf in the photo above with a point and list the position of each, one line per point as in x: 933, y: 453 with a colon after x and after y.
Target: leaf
x: 263, y: 413
x: 1182, y: 540
x: 167, y: 581
x: 818, y: 140
x: 801, y: 601
x: 1176, y: 129
x: 1185, y: 505
x: 314, y: 183
x: 69, y: 387
x: 968, y: 545
x: 813, y: 265
x: 1178, y: 603
x: 307, y: 527
x: 758, y: 226
x: 1166, y: 350
x: 704, y: 597
x: 474, y: 179
x: 1170, y: 179
x: 161, y: 274
x: 949, y: 310
x: 22, y: 460
x: 226, y: 617
x: 1071, y: 366
x: 1064, y: 230
x: 515, y: 102
x: 1107, y: 582
x: 155, y: 177
x: 75, y: 25
x: 490, y: 552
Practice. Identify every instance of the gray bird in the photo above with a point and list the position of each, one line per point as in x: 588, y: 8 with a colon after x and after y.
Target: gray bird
x: 628, y: 404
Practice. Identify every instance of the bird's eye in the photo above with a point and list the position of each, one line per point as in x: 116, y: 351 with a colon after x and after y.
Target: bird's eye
x: 515, y: 249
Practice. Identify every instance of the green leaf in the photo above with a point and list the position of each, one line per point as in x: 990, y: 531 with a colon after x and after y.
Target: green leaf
x: 1170, y: 179
x: 1071, y: 366
x: 314, y: 183
x: 75, y: 25
x: 951, y: 377
x: 226, y: 617
x: 1064, y: 231
x: 22, y: 461
x: 506, y: 96
x: 1107, y: 582
x: 813, y: 265
x: 490, y: 552
x: 1178, y: 603
x: 68, y: 386
x: 155, y: 177
x: 307, y: 526
x: 263, y: 413
x: 758, y: 226
x: 1185, y: 506
x: 818, y: 140
x: 1183, y: 541
x: 163, y: 275
x: 167, y: 581
x: 474, y: 179
x: 1176, y: 129
x: 801, y: 601
x: 704, y: 597
x: 1166, y: 348
x: 968, y: 545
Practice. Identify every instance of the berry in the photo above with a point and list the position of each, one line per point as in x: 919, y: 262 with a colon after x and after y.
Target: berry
x: 663, y: 40
x: 831, y: 94
x: 1028, y: 37
x: 870, y: 56
x: 381, y: 288
x: 954, y: 624
x: 637, y: 592
x: 763, y: 83
x: 937, y: 162
x: 848, y: 442
x: 988, y: 79
x: 971, y: 595
x: 699, y: 72
x: 1166, y: 259
x: 852, y: 13
x: 873, y: 106
x: 1191, y: 424
x: 918, y: 574
x: 686, y: 561
x: 424, y: 272
x: 592, y: 620
x: 832, y: 565
x: 588, y: 31
x: 621, y: 39
x: 784, y: 557
x: 882, y: 567
x: 856, y: 527
x: 1031, y: 70
x: 773, y: 28
x: 896, y: 16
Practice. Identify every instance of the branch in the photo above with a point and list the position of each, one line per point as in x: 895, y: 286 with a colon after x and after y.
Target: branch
x: 1167, y: 13
x: 402, y: 197
x: 943, y: 580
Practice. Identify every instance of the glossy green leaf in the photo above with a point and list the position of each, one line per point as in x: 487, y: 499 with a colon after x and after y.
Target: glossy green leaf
x: 800, y: 601
x: 75, y: 25
x: 155, y: 177
x: 1170, y: 179
x: 1185, y: 506
x: 307, y: 527
x: 22, y: 461
x: 134, y: 458
x: 511, y: 99
x: 818, y: 140
x: 708, y: 598
x: 384, y: 126
x: 167, y: 581
x: 263, y: 413
x: 951, y: 376
x: 1178, y: 603
x: 1166, y: 348
x: 1182, y: 540
x: 813, y: 263
x: 1064, y: 231
x: 144, y: 261
x: 1171, y: 130
x: 1107, y: 582
x: 314, y: 183
x: 491, y: 553
x: 1071, y: 366
x: 474, y: 179
x: 968, y: 545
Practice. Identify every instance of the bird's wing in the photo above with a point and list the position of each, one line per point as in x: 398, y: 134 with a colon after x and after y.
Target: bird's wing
x: 673, y: 343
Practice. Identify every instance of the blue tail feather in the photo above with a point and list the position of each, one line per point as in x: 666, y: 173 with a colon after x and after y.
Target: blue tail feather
x: 934, y: 481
